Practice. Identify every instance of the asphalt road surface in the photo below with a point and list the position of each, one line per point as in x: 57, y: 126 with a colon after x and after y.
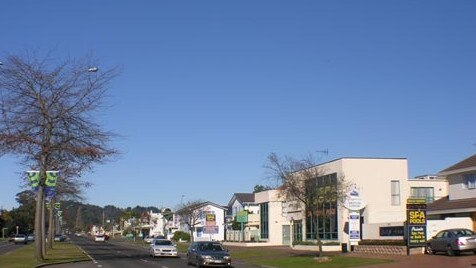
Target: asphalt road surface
x: 113, y: 255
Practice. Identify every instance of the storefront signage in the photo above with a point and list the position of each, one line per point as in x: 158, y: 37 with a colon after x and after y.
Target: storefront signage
x: 210, y: 229
x: 353, y: 200
x: 416, y: 222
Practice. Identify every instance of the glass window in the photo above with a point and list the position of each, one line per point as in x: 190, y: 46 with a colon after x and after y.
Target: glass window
x: 423, y: 192
x: 470, y: 180
x: 324, y: 219
x: 264, y: 221
x: 395, y: 189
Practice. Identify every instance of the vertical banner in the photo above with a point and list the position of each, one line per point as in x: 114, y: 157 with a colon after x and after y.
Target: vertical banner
x: 34, y: 179
x: 354, y: 226
x: 50, y: 184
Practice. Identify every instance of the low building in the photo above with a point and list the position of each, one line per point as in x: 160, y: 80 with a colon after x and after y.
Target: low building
x: 243, y: 203
x: 275, y: 228
x: 429, y: 187
x: 461, y: 200
x: 208, y: 222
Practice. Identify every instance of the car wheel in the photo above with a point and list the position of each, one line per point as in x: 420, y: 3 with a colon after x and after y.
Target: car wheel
x: 429, y: 250
x: 450, y: 251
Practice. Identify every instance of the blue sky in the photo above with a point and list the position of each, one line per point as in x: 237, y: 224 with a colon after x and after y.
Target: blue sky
x: 210, y: 88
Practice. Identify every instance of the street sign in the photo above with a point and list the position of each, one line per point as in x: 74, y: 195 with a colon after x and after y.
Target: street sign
x: 242, y: 216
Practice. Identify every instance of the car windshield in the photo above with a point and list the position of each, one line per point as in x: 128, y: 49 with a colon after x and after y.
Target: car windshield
x: 163, y: 242
x: 210, y: 247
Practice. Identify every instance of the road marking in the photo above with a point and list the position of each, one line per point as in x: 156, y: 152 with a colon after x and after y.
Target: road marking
x: 144, y: 260
x: 165, y: 267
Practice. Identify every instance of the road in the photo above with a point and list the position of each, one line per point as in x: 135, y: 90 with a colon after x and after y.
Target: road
x: 114, y: 255
x: 8, y: 246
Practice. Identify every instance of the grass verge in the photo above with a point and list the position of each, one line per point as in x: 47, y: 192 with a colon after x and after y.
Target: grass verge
x: 25, y: 256
x: 286, y: 259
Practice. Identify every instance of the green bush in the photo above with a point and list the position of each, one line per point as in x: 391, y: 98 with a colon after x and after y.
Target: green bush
x: 181, y: 235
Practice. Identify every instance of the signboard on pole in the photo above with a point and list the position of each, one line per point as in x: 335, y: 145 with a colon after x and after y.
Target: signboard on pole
x: 242, y: 216
x: 354, y: 226
x: 416, y: 222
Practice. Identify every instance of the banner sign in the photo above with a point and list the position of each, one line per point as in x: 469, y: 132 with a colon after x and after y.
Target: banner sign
x: 416, y: 222
x: 210, y: 229
x: 50, y: 184
x: 34, y: 179
x: 242, y: 216
x: 354, y: 226
x: 210, y: 219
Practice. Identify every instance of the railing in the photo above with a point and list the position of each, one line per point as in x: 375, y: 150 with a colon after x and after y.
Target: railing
x: 237, y: 236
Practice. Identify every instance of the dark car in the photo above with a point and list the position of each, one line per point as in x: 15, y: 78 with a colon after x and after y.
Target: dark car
x: 59, y: 238
x: 452, y: 241
x: 208, y: 254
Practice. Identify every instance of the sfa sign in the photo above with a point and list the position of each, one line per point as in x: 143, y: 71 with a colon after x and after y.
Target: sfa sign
x: 416, y: 222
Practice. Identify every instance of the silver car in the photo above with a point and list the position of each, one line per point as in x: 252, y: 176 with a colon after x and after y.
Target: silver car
x: 163, y: 248
x: 452, y: 241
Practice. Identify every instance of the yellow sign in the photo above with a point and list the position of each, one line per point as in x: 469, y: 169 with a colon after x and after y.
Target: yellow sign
x: 416, y: 217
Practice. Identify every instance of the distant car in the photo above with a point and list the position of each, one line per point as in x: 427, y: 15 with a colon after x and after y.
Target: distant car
x: 59, y: 238
x: 78, y: 234
x: 20, y: 239
x: 148, y: 239
x: 452, y: 241
x: 163, y: 247
x: 208, y: 254
x: 31, y: 237
x: 99, y: 238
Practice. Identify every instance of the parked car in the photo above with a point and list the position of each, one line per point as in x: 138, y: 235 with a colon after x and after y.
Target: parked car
x: 59, y: 238
x: 20, y: 238
x: 148, y: 239
x: 99, y: 238
x: 31, y: 237
x: 208, y: 254
x: 163, y: 247
x: 452, y: 241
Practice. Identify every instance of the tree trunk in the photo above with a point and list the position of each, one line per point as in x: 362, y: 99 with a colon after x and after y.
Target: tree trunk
x: 38, y: 225
x: 51, y: 225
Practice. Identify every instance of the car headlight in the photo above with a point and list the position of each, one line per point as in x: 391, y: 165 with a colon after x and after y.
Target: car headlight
x: 226, y: 257
x: 206, y: 256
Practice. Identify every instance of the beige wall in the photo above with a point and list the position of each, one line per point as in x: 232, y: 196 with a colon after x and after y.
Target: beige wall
x: 372, y: 178
x: 440, y: 186
x: 457, y: 189
x: 275, y: 212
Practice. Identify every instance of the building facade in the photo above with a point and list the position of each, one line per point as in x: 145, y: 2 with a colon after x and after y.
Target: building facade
x: 461, y: 200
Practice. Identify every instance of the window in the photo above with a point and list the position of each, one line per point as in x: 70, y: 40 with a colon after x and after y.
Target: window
x: 470, y: 181
x: 395, y: 188
x: 427, y: 193
x: 264, y: 231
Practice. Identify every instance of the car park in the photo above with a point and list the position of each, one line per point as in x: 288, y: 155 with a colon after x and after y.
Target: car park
x: 163, y: 248
x: 208, y: 254
x: 452, y: 242
x: 20, y: 239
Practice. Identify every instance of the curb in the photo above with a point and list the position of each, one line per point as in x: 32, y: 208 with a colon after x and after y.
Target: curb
x: 70, y: 261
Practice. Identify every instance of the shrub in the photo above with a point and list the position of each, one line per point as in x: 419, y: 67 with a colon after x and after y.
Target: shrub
x: 181, y: 235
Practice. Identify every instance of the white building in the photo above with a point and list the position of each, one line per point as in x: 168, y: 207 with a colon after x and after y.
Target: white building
x: 275, y: 228
x: 209, y: 224
x: 460, y: 204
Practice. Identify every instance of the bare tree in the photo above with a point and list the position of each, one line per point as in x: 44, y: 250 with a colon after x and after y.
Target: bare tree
x: 299, y: 180
x: 47, y: 116
x: 191, y: 214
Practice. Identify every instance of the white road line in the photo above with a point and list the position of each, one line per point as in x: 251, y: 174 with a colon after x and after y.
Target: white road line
x: 165, y: 267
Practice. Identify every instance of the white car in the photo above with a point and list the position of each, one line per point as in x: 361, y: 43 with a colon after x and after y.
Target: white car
x: 148, y: 239
x: 163, y: 248
x: 99, y: 238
